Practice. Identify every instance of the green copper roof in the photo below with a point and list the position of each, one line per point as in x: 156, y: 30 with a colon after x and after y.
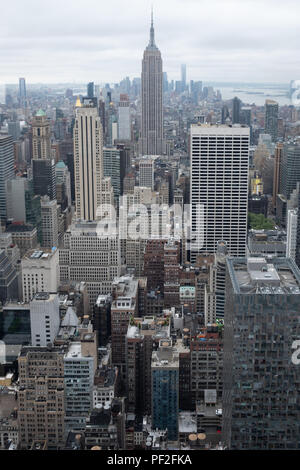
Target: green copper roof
x: 40, y: 113
x: 60, y: 164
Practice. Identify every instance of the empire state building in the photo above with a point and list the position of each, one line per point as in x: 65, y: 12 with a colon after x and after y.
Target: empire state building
x: 152, y: 99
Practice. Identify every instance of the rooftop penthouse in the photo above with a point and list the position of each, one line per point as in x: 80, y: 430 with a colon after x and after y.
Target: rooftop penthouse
x: 264, y: 276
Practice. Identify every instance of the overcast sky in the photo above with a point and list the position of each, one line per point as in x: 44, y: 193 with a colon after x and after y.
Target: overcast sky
x: 103, y: 41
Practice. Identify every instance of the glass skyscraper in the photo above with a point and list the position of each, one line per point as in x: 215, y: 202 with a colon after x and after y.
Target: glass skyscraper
x: 6, y: 170
x: 165, y: 389
x: 261, y: 401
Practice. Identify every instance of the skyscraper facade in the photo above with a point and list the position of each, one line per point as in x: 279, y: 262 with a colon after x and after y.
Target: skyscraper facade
x: 22, y: 91
x: 289, y: 168
x: 41, y: 400
x: 124, y: 125
x: 88, y: 160
x: 183, y: 76
x: 261, y: 380
x: 111, y: 168
x: 41, y: 144
x: 90, y: 90
x: 236, y: 110
x: 152, y: 99
x: 219, y: 188
x: 146, y: 174
x: 271, y: 119
x: 6, y: 170
x: 165, y: 388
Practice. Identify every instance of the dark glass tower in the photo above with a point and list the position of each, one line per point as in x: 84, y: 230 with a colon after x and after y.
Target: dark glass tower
x: 236, y: 110
x: 261, y: 404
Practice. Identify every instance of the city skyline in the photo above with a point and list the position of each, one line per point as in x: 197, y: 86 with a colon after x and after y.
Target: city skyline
x: 104, y: 46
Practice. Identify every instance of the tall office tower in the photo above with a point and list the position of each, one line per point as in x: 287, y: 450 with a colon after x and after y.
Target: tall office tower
x: 183, y: 77
x: 124, y: 124
x: 271, y: 119
x: 85, y: 255
x: 22, y: 92
x: 70, y: 164
x: 261, y: 380
x: 124, y: 306
x: 111, y: 168
x: 277, y: 171
x: 41, y: 397
x: 79, y: 368
x: 88, y: 159
x: 291, y: 233
x: 49, y: 222
x: 206, y: 362
x: 63, y: 185
x: 33, y: 209
x: 146, y: 174
x: 129, y: 183
x: 143, y: 335
x: 215, y: 289
x: 196, y: 91
x: 171, y: 274
x: 290, y: 168
x: 102, y: 113
x: 101, y: 318
x: 225, y: 114
x: 90, y: 90
x: 14, y: 129
x: 125, y: 162
x: 152, y: 99
x: 246, y: 119
x: 41, y: 135
x: 6, y: 171
x: 43, y: 172
x: 165, y: 388
x: 236, y: 110
x: 297, y: 255
x: 112, y: 123
x: 15, y: 199
x: 9, y: 289
x: 154, y: 264
x: 219, y: 188
x: 44, y: 318
x: 40, y: 272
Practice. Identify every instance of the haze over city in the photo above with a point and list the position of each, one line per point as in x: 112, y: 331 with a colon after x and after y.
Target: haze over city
x: 69, y: 41
x: 149, y: 228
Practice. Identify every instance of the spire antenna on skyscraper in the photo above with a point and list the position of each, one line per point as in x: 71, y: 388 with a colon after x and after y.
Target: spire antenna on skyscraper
x: 152, y: 41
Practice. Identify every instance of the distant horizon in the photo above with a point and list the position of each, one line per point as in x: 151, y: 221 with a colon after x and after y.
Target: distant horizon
x: 251, y: 41
x: 103, y: 83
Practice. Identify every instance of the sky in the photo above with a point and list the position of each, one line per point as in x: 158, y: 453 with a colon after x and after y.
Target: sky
x: 76, y: 41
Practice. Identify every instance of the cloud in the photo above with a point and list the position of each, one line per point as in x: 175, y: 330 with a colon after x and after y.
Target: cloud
x: 231, y: 40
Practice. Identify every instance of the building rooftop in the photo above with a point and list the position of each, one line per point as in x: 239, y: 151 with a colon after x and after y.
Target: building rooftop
x: 12, y: 228
x: 74, y: 350
x: 264, y: 275
x: 40, y: 255
x: 45, y: 296
x: 157, y: 327
x: 125, y: 290
x: 105, y: 377
x: 166, y: 357
x: 187, y: 422
x: 40, y: 113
